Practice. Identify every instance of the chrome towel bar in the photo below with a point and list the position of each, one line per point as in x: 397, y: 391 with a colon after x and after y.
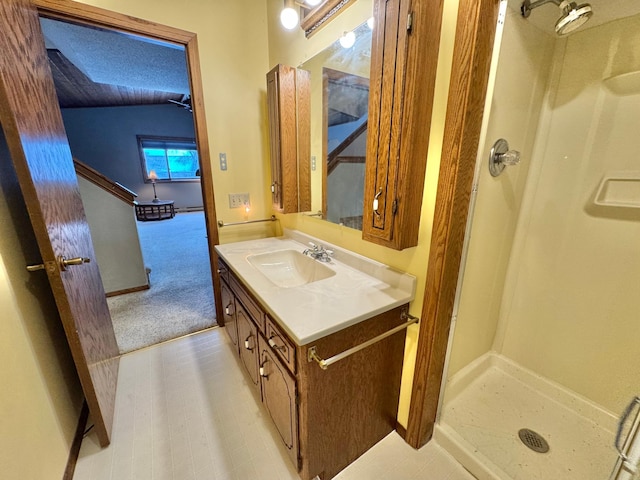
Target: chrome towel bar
x: 312, y: 354
x: 222, y: 224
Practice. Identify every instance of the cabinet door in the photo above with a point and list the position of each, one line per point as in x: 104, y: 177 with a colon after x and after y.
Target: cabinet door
x: 229, y: 310
x: 248, y: 344
x: 403, y: 67
x: 279, y: 398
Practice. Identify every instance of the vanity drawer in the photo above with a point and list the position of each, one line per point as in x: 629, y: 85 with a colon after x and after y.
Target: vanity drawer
x: 223, y: 270
x: 285, y: 349
x: 252, y: 307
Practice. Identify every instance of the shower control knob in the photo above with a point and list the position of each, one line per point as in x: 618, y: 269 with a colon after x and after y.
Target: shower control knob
x: 500, y: 156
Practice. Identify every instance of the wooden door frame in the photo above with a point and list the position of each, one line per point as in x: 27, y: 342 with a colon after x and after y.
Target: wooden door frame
x: 473, y: 48
x: 80, y: 13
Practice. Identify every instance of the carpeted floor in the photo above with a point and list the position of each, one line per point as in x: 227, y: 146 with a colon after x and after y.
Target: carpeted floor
x: 180, y: 300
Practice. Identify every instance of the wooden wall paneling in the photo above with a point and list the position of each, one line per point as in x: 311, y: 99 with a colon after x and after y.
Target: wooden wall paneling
x: 68, y: 10
x: 475, y: 33
x: 336, y: 405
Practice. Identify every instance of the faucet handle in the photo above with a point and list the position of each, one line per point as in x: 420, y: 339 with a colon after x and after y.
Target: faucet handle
x: 329, y: 252
x: 313, y: 245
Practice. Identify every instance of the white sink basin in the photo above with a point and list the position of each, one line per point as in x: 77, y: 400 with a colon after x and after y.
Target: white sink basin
x: 289, y: 268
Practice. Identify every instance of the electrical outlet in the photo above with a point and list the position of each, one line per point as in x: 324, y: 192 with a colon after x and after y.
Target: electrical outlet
x: 238, y: 200
x: 223, y: 161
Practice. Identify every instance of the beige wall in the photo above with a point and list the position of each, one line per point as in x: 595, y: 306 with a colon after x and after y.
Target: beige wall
x: 115, y: 238
x: 292, y: 48
x: 40, y: 398
x: 552, y: 279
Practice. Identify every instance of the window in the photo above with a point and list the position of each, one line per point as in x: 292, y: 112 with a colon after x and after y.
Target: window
x: 172, y: 159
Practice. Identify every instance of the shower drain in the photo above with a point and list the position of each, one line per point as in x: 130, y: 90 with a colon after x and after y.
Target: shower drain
x: 533, y: 440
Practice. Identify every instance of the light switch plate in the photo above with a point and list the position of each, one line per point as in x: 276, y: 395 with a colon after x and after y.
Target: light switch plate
x: 223, y: 161
x: 313, y: 163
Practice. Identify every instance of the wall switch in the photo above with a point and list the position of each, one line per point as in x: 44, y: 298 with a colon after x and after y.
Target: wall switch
x: 223, y: 161
x: 238, y: 200
x: 313, y: 163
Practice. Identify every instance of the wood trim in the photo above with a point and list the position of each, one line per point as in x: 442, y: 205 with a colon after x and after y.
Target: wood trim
x: 322, y: 14
x: 77, y: 12
x: 74, y: 451
x: 114, y: 188
x: 303, y: 113
x: 128, y: 290
x: 477, y: 20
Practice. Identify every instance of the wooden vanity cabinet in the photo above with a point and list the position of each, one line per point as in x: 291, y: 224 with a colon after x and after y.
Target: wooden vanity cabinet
x: 403, y: 71
x: 289, y: 107
x: 327, y: 418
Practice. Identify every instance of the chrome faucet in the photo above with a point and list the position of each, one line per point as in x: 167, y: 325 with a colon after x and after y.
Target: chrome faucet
x: 318, y: 252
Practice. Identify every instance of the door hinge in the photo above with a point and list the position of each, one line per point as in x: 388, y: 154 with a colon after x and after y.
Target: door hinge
x: 394, y: 206
x: 410, y: 22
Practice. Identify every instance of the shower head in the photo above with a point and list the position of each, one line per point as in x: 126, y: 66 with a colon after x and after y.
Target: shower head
x: 573, y: 15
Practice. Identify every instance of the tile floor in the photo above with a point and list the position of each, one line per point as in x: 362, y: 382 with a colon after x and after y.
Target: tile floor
x: 184, y: 411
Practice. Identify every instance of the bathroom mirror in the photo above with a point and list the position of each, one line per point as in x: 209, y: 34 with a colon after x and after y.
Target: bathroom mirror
x: 339, y: 112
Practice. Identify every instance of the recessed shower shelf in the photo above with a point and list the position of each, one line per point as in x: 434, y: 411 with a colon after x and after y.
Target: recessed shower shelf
x: 619, y: 189
x: 624, y: 84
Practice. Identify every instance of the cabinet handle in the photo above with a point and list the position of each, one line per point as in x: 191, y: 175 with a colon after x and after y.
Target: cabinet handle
x: 227, y: 310
x: 262, y: 372
x: 376, y: 202
x: 274, y: 188
x: 246, y: 343
x: 274, y: 345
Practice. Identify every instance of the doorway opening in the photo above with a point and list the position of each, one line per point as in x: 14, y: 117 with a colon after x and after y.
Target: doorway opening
x: 115, y: 88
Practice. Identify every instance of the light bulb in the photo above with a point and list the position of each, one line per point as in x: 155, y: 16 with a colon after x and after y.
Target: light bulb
x: 370, y: 23
x: 313, y: 3
x: 289, y: 18
x: 348, y: 39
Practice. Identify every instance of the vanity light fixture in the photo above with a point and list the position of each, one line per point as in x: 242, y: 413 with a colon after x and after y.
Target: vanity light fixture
x: 348, y: 39
x: 370, y: 23
x: 289, y: 16
x: 312, y: 3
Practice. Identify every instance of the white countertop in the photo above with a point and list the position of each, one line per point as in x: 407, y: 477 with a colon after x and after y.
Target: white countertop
x: 361, y: 288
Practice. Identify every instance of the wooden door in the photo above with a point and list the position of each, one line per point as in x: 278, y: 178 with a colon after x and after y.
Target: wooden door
x: 38, y: 145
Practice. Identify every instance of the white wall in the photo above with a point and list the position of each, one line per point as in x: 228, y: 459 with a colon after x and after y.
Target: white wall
x: 115, y: 238
x: 552, y: 280
x: 574, y: 302
x: 517, y: 88
x: 105, y: 139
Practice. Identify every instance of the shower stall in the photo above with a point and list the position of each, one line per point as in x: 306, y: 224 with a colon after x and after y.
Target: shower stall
x: 544, y: 344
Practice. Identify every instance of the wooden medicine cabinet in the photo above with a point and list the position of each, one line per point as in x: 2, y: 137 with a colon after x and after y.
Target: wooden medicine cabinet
x: 403, y: 71
x: 289, y: 103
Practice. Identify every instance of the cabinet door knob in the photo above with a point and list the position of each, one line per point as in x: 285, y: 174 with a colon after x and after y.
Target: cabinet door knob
x: 263, y: 373
x: 246, y: 343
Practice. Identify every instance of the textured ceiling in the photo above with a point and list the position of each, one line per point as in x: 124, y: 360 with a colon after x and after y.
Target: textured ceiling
x: 119, y: 60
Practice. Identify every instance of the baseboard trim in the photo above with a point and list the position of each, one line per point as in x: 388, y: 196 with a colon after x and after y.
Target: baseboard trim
x: 77, y: 442
x: 128, y: 290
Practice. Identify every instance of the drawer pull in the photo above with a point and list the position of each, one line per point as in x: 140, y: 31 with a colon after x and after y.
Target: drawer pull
x: 274, y: 345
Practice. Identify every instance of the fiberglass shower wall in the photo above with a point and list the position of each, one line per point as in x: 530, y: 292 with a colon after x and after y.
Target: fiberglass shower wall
x: 552, y: 277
